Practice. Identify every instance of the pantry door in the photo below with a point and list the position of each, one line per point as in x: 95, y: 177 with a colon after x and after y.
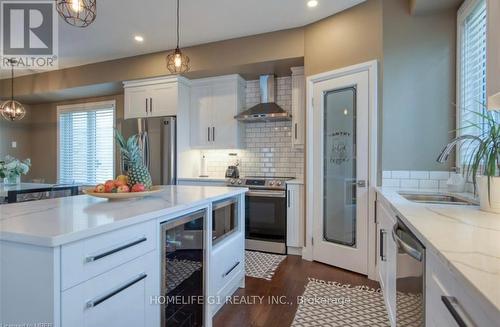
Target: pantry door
x: 340, y: 160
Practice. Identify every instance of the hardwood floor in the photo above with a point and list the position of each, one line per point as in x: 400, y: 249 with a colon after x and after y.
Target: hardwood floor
x: 289, y: 280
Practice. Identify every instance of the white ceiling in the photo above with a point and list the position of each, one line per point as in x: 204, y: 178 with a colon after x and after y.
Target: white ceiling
x: 202, y: 21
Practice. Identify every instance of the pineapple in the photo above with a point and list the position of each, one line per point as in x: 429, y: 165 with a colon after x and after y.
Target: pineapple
x: 131, y: 155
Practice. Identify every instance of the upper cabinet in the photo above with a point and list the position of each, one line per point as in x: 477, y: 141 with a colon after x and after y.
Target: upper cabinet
x: 155, y: 97
x: 298, y: 106
x: 493, y: 55
x: 214, y: 103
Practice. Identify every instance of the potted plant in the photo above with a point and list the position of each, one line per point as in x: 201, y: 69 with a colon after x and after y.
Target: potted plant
x: 482, y: 164
x: 11, y: 170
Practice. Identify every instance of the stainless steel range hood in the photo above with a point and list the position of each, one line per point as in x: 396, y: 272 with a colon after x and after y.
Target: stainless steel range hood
x: 267, y: 110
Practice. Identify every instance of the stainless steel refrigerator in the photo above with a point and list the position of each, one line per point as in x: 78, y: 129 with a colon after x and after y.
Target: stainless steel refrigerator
x: 158, y: 142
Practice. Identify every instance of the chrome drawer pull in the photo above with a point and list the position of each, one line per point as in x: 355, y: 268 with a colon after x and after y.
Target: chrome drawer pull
x: 99, y: 300
x: 118, y: 249
x: 230, y: 270
x: 456, y: 311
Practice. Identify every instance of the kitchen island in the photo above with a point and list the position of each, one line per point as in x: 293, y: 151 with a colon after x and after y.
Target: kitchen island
x: 83, y: 261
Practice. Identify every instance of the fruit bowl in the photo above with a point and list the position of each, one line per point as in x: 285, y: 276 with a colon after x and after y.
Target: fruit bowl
x: 122, y: 196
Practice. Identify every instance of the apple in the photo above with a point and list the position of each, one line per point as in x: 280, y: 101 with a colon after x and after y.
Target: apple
x: 123, y: 179
x: 123, y: 189
x: 100, y: 188
x: 138, y: 188
x: 109, y: 186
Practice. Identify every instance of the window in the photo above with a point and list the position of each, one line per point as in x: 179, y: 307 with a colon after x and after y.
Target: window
x: 471, y: 75
x: 86, y: 142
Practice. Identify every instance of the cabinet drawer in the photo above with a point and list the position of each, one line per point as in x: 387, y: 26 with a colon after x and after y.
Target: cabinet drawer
x: 88, y: 258
x: 120, y: 297
x: 228, y: 262
x: 442, y: 282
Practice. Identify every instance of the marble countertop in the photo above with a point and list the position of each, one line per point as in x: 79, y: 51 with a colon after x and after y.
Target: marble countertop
x: 4, y: 189
x: 295, y: 181
x: 55, y: 222
x: 463, y: 236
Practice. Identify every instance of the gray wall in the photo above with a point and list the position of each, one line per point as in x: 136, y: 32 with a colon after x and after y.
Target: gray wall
x: 418, y: 86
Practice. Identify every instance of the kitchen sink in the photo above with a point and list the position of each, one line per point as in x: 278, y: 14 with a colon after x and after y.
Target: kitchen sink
x: 435, y: 198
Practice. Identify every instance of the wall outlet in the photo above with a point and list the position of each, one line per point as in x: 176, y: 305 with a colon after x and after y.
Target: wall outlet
x: 14, y: 144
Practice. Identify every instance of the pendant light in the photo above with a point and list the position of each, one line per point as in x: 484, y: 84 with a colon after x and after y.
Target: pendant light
x: 11, y: 109
x: 79, y: 13
x: 177, y: 62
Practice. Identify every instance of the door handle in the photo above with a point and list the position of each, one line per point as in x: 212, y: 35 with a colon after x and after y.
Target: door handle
x: 361, y: 183
x: 208, y: 134
x: 213, y: 134
x: 288, y: 198
x: 295, y: 131
x: 151, y: 105
x: 146, y: 105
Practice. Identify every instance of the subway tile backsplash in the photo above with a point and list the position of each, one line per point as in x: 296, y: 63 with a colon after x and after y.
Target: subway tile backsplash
x: 268, y: 145
x: 418, y: 180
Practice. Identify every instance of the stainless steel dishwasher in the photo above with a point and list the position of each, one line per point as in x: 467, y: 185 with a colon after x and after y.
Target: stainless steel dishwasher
x: 410, y: 277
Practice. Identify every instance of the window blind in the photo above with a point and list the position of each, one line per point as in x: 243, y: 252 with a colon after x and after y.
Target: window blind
x: 472, y: 91
x: 86, y: 145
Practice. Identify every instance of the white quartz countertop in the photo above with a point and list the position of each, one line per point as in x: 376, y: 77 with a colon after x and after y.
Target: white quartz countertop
x: 295, y: 181
x: 463, y: 236
x: 203, y: 179
x: 55, y: 222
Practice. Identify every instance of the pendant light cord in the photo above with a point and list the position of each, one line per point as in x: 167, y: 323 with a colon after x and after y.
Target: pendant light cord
x: 178, y: 23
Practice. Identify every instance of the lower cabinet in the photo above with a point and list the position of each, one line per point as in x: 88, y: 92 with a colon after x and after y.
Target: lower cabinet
x: 386, y: 258
x: 118, y: 297
x: 450, y: 303
x: 295, y: 218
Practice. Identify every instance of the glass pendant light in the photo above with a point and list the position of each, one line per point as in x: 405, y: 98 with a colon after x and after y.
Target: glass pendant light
x: 177, y: 62
x: 79, y: 13
x: 11, y: 109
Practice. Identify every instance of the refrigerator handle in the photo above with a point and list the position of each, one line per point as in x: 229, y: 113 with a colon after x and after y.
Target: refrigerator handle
x: 169, y: 151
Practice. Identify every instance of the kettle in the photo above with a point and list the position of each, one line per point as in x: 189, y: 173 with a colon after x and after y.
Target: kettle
x: 232, y: 172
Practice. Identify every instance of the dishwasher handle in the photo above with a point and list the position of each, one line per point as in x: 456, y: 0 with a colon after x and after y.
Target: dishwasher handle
x: 405, y: 247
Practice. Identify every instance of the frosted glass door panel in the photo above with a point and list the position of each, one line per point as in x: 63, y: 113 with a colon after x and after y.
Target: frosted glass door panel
x: 339, y: 153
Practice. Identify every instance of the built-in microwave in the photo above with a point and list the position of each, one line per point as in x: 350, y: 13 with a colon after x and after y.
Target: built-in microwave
x: 224, y: 219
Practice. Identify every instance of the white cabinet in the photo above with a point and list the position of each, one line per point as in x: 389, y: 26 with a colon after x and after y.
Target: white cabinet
x: 214, y: 103
x: 155, y: 97
x: 386, y: 257
x: 444, y: 287
x: 298, y: 106
x: 295, y: 218
x: 119, y: 297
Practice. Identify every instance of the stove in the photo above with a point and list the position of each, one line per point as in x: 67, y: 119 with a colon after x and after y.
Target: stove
x: 265, y: 212
x: 256, y: 182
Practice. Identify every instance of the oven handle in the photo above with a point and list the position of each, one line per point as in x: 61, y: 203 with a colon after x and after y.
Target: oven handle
x: 267, y: 194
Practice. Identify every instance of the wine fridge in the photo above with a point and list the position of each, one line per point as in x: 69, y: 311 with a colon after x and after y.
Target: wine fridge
x: 183, y: 265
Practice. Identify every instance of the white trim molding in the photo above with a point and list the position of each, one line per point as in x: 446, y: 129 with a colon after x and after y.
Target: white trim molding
x: 372, y: 68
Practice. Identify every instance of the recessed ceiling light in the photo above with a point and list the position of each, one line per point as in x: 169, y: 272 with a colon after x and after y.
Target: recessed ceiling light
x: 139, y: 38
x: 312, y: 3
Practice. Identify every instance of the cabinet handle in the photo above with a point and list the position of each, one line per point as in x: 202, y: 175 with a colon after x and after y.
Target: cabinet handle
x: 117, y: 249
x: 230, y: 270
x: 94, y: 303
x: 296, y: 131
x: 456, y: 311
x: 213, y: 134
x: 208, y: 134
x: 381, y: 240
x: 151, y: 105
x: 146, y: 105
x: 288, y: 198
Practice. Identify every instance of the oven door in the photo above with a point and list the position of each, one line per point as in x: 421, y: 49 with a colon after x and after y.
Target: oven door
x: 266, y: 220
